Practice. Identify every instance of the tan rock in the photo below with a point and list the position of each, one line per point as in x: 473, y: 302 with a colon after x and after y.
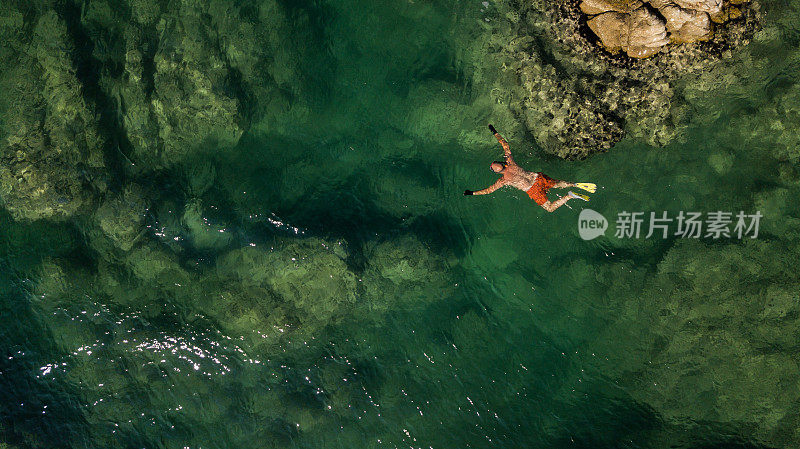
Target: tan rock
x: 640, y: 34
x: 592, y: 7
x: 686, y: 26
x: 709, y: 6
x: 676, y: 17
x: 612, y: 29
x: 641, y: 52
x: 696, y: 30
x: 724, y: 15
x: 661, y: 4
x: 647, y: 34
x: 639, y: 29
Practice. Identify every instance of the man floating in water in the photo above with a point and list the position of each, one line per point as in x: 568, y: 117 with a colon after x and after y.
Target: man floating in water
x: 535, y: 185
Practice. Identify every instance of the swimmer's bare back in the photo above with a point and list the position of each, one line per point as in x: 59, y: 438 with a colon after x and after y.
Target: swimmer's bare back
x: 535, y: 185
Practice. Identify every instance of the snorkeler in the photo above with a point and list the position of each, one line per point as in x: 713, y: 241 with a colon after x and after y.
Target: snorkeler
x: 535, y: 185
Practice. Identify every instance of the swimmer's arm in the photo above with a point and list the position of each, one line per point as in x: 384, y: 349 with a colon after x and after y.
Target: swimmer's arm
x: 499, y: 183
x: 503, y: 143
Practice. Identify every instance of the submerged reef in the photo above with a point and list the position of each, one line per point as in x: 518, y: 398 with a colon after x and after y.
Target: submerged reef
x: 121, y: 216
x: 230, y: 320
x: 188, y: 78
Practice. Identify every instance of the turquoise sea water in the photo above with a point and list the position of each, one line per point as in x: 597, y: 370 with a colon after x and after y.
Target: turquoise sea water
x: 420, y: 317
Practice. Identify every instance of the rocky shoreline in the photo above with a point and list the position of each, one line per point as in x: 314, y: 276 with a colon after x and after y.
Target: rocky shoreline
x: 577, y: 99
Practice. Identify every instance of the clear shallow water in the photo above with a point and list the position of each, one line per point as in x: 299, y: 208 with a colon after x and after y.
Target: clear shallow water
x: 514, y: 333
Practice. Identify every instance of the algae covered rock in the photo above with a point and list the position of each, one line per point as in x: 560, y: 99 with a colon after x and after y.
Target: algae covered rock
x: 12, y: 25
x: 311, y: 280
x: 194, y: 75
x: 593, y: 7
x: 404, y: 272
x: 189, y: 100
x: 51, y: 160
x: 145, y: 12
x: 248, y: 310
x: 202, y: 230
x: 121, y: 216
x: 314, y: 279
x: 777, y: 121
x: 151, y: 264
x: 569, y: 126
x: 138, y: 118
x: 176, y: 93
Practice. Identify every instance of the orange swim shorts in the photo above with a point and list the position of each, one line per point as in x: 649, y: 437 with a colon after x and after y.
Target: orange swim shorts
x: 538, y: 191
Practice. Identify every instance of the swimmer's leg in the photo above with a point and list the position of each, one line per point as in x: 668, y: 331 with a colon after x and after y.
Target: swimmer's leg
x: 550, y: 206
x: 563, y: 184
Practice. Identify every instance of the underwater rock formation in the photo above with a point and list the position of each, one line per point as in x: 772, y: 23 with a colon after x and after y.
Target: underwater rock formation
x: 190, y: 77
x: 313, y: 283
x: 121, y: 216
x: 51, y: 159
x: 189, y: 103
x: 202, y: 233
x: 174, y: 91
x: 403, y: 273
x: 778, y: 117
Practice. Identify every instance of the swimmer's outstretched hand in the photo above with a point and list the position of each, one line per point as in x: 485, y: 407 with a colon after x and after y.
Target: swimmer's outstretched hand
x: 491, y: 128
x: 467, y: 192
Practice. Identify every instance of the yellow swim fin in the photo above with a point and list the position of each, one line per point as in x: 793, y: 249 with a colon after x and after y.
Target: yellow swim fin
x: 578, y: 196
x: 587, y: 186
